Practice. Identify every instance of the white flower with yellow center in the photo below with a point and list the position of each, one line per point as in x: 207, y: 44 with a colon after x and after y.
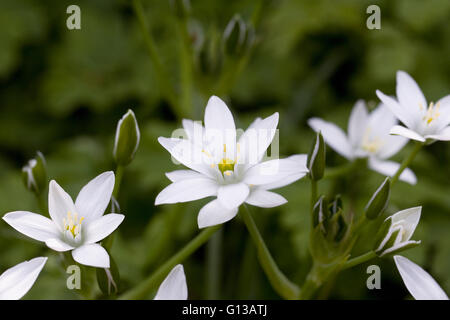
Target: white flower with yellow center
x: 419, y: 283
x: 18, y: 280
x: 423, y: 121
x: 368, y: 136
x: 73, y: 226
x: 228, y: 168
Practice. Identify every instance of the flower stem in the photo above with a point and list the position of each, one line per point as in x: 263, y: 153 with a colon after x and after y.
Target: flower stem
x: 282, y: 285
x: 119, y: 176
x: 313, y: 195
x: 360, y: 259
x: 162, y: 76
x: 145, y: 287
x: 213, y: 274
x: 406, y: 162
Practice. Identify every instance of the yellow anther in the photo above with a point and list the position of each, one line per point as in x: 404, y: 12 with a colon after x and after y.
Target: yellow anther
x: 432, y: 113
x: 224, y: 148
x: 226, y: 164
x: 72, y: 224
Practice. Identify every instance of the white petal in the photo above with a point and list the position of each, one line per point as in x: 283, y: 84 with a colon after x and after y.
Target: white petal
x: 404, y: 115
x: 174, y: 286
x: 214, y: 213
x: 409, y: 219
x: 179, y: 175
x: 381, y: 120
x: 58, y: 245
x: 187, y: 190
x: 419, y: 282
x: 93, y: 255
x: 276, y: 170
x: 265, y: 199
x: 444, y: 135
x: 59, y: 204
x: 18, y: 280
x: 188, y: 154
x: 283, y: 181
x: 333, y: 136
x: 94, y: 197
x: 407, y: 133
x: 194, y: 130
x: 444, y: 110
x: 102, y: 227
x: 389, y: 168
x: 220, y: 127
x: 392, y: 145
x: 409, y: 94
x: 256, y: 139
x: 32, y: 225
x: 357, y: 123
x: 233, y: 195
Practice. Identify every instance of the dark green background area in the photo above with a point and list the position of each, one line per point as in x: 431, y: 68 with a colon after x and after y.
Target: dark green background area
x: 62, y: 92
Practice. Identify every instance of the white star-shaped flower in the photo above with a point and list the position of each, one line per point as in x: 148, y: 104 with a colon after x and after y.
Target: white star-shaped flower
x: 73, y: 226
x: 423, y: 122
x: 227, y: 168
x: 368, y: 136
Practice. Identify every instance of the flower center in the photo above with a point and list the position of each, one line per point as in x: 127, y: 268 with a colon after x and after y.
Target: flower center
x: 72, y: 224
x: 226, y: 166
x: 371, y: 145
x: 432, y: 113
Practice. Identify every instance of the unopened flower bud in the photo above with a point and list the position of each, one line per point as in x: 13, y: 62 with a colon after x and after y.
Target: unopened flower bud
x: 379, y: 201
x: 34, y: 174
x: 127, y: 139
x: 396, y: 231
x: 316, y: 158
x: 238, y: 36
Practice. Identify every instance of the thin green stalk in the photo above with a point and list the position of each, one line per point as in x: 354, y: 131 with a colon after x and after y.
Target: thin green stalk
x: 406, y: 162
x: 147, y: 285
x: 282, y: 285
x: 313, y: 195
x: 360, y: 259
x: 214, y: 263
x: 162, y: 75
x: 119, y: 176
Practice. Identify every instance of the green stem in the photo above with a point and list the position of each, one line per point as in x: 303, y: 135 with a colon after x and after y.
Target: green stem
x: 166, y: 87
x: 313, y: 196
x: 146, y: 286
x: 311, y: 284
x: 119, y: 176
x: 406, y: 162
x: 360, y: 259
x: 214, y: 264
x: 282, y: 285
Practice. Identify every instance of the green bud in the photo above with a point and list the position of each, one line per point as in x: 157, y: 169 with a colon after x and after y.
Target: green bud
x: 379, y: 201
x: 320, y: 214
x: 336, y: 206
x: 34, y: 174
x: 237, y: 37
x: 127, y: 139
x: 108, y: 279
x: 316, y: 158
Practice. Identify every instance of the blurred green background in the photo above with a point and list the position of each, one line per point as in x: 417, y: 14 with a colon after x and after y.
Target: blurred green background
x: 62, y: 92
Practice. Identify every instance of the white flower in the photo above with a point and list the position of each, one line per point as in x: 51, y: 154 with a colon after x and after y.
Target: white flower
x: 230, y: 170
x: 368, y: 136
x: 174, y: 286
x: 422, y: 121
x: 73, y: 226
x: 418, y: 282
x: 18, y: 280
x: 397, y: 231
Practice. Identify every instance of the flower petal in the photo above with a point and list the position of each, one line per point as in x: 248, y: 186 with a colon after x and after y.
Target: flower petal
x: 32, y: 225
x: 18, y: 280
x: 389, y: 168
x: 187, y: 190
x: 419, y: 283
x: 398, y: 110
x: 94, y: 197
x: 265, y: 199
x: 392, y: 145
x: 233, y: 195
x: 333, y: 136
x: 188, y: 154
x: 59, y: 204
x: 58, y: 245
x: 174, y: 286
x: 93, y: 255
x: 407, y: 133
x: 214, y: 213
x: 179, y: 175
x: 444, y: 135
x: 256, y: 139
x: 409, y: 219
x: 409, y: 94
x: 102, y: 227
x: 357, y: 123
x: 194, y: 130
x: 276, y: 170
